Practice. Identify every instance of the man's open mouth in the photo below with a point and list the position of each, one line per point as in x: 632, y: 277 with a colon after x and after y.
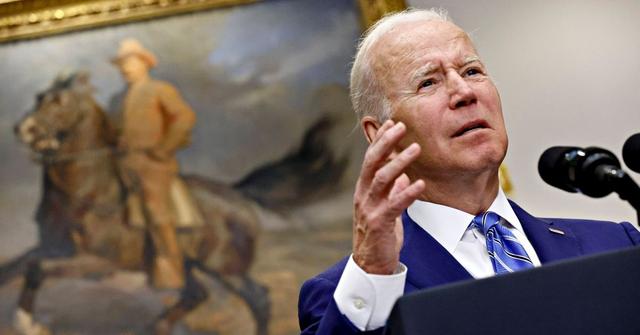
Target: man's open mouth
x: 471, y: 126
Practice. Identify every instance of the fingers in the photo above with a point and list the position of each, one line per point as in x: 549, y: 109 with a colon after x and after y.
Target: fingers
x: 400, y: 184
x: 402, y: 194
x: 385, y: 126
x: 381, y: 147
x: 383, y: 191
x: 388, y: 173
x: 382, y: 178
x: 404, y: 198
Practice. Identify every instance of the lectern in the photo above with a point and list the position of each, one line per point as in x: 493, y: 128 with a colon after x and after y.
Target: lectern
x: 592, y: 295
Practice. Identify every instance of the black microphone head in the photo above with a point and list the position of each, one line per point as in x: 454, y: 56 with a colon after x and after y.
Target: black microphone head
x: 553, y: 167
x: 575, y: 169
x: 631, y: 152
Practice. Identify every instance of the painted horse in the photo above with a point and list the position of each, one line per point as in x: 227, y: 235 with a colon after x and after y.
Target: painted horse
x: 82, y: 214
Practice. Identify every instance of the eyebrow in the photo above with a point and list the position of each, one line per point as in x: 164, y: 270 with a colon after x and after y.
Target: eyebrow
x: 423, y: 72
x: 470, y: 59
x: 429, y: 69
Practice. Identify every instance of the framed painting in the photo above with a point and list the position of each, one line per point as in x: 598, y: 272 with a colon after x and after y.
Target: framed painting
x: 271, y: 163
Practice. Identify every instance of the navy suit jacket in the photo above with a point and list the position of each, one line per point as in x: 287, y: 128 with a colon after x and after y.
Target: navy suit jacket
x: 430, y: 265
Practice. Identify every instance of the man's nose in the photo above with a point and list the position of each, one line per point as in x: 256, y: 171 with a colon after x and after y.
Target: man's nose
x: 460, y: 92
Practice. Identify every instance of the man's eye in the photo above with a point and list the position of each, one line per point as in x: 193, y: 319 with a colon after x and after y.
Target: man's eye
x: 427, y: 83
x: 472, y: 72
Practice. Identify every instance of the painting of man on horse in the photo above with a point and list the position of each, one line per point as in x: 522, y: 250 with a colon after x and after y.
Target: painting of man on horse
x: 82, y: 213
x: 265, y: 182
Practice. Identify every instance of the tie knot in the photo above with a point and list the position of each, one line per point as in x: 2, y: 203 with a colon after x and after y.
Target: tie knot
x: 504, y: 249
x: 485, y: 221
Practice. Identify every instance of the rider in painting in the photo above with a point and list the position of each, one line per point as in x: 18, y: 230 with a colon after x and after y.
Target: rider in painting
x: 153, y: 122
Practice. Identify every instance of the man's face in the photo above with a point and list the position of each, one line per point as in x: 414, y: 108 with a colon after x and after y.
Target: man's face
x: 438, y: 87
x: 133, y: 68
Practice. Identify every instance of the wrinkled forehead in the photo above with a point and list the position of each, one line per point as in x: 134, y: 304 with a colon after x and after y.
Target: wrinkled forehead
x: 408, y: 41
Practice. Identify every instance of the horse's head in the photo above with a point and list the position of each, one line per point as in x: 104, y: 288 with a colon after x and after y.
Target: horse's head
x: 58, y: 110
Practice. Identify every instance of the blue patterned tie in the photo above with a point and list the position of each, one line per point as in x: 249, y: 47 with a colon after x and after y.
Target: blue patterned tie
x: 507, y: 254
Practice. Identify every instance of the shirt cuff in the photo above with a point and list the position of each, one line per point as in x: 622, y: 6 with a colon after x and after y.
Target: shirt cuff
x: 367, y: 299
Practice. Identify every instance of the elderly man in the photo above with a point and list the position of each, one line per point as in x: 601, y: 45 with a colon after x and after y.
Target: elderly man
x: 428, y: 209
x: 154, y: 123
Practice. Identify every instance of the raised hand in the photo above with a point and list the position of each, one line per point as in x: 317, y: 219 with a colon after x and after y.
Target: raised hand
x: 382, y: 192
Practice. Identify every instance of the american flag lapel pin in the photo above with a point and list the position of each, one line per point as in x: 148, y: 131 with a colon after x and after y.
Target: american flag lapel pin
x: 556, y: 231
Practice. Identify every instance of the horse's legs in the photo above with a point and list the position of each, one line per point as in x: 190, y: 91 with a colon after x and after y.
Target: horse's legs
x: 18, y: 266
x: 36, y: 270
x: 24, y: 322
x: 254, y: 294
x: 192, y: 295
x: 257, y: 297
x: 32, y: 280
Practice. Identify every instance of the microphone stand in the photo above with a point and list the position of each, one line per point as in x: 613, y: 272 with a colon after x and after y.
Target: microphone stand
x: 624, y: 185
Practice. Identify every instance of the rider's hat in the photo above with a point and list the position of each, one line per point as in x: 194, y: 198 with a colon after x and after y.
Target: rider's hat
x: 131, y: 47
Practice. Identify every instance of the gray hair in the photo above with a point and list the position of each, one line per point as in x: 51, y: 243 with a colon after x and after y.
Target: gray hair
x: 367, y: 96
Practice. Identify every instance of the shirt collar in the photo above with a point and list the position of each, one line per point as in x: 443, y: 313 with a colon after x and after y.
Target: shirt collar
x: 447, y: 225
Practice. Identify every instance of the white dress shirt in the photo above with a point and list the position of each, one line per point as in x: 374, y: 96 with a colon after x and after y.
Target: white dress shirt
x: 366, y: 299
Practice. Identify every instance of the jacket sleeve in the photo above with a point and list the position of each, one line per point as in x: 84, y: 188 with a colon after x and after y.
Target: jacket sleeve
x: 318, y: 312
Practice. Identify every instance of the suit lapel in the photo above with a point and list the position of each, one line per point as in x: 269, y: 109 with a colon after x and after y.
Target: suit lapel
x: 549, y: 245
x: 429, y: 264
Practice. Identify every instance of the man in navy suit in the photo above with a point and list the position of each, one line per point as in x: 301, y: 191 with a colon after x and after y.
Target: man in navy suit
x: 433, y: 118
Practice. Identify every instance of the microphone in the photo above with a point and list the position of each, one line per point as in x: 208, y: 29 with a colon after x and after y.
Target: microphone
x: 631, y: 152
x: 592, y: 171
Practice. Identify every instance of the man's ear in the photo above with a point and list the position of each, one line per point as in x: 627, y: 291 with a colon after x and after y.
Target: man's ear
x: 370, y: 126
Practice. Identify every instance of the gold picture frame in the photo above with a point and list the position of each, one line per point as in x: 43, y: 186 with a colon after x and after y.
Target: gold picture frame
x: 23, y: 19
x: 373, y: 10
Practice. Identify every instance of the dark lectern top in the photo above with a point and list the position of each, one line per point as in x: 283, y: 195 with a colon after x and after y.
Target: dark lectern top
x: 591, y: 295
